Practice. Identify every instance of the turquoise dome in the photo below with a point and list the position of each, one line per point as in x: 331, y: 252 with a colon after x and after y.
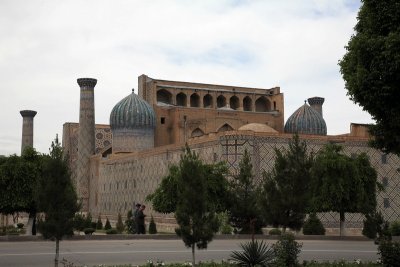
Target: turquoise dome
x: 306, y: 120
x: 132, y: 112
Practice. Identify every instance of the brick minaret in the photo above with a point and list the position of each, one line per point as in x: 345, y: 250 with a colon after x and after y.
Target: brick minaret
x: 316, y: 103
x: 86, y: 139
x: 27, y: 128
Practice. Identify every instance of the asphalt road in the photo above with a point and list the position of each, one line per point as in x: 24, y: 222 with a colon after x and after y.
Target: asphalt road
x: 91, y: 253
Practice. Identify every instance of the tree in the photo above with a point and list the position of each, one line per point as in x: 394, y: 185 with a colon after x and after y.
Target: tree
x: 99, y: 224
x: 120, y: 225
x: 340, y: 183
x: 371, y: 69
x: 18, y: 179
x: 244, y: 211
x: 284, y: 198
x: 152, y: 226
x: 130, y: 223
x: 56, y: 197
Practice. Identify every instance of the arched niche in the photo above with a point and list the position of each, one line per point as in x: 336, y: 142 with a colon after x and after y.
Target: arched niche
x: 197, y: 132
x: 208, y: 101
x: 225, y: 127
x: 181, y: 100
x: 247, y: 104
x: 221, y: 101
x: 195, y: 100
x: 234, y: 102
x: 164, y: 96
x: 262, y: 104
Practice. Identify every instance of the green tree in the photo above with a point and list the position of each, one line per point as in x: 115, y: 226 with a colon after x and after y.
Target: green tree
x: 99, y: 224
x: 152, y: 226
x: 371, y: 68
x: 130, y: 223
x: 107, y: 226
x: 120, y: 225
x: 56, y: 197
x: 342, y: 184
x: 245, y: 214
x: 284, y: 198
x: 195, y: 213
x: 18, y: 180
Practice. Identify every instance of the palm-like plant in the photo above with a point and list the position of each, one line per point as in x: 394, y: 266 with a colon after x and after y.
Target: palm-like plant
x: 254, y: 253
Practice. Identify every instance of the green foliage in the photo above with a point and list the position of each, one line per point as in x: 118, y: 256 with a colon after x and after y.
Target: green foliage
x: 389, y: 253
x: 81, y: 221
x: 375, y: 226
x: 285, y: 197
x: 371, y: 69
x: 287, y: 250
x: 152, y: 226
x: 20, y: 225
x: 99, y: 224
x: 275, y: 231
x: 107, y: 226
x: 255, y: 253
x: 130, y: 223
x: 244, y: 211
x: 395, y: 228
x: 223, y: 221
x: 56, y: 195
x: 313, y: 226
x: 120, y: 225
x: 111, y: 231
x: 89, y: 231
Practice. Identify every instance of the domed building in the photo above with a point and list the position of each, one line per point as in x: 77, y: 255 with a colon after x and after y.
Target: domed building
x: 132, y: 122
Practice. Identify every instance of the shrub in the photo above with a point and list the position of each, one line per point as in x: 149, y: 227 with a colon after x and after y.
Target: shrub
x: 224, y: 225
x: 79, y: 222
x: 89, y: 231
x: 375, y: 226
x: 107, y: 226
x: 287, y: 250
x: 120, y: 225
x: 130, y: 223
x: 395, y: 228
x: 99, y: 224
x: 389, y: 252
x: 152, y: 226
x: 111, y: 231
x: 20, y: 225
x: 313, y: 226
x: 254, y: 254
x: 275, y: 231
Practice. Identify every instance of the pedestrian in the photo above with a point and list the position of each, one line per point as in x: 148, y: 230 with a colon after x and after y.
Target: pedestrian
x: 135, y: 217
x: 141, y: 225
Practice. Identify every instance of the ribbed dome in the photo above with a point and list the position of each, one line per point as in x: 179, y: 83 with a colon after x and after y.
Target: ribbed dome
x: 132, y: 112
x: 258, y: 128
x: 306, y: 120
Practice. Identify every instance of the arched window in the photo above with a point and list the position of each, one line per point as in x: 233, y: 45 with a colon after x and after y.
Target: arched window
x: 225, y: 127
x: 247, y: 104
x: 197, y: 132
x: 195, y: 100
x: 234, y: 102
x: 262, y: 104
x: 221, y: 101
x: 208, y: 101
x: 181, y: 100
x: 164, y: 96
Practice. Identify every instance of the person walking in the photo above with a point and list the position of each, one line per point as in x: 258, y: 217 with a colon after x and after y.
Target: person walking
x: 141, y: 225
x: 136, y: 218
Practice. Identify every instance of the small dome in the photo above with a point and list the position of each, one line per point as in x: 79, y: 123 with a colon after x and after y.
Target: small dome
x: 306, y: 120
x: 258, y: 128
x: 132, y: 112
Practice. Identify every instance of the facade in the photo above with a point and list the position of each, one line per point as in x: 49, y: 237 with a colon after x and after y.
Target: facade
x: 149, y: 130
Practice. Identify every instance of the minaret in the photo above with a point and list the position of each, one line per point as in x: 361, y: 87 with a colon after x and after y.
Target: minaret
x: 316, y: 103
x: 27, y: 128
x: 86, y: 139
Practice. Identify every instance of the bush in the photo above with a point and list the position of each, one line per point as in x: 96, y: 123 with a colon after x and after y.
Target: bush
x: 287, y: 250
x: 130, y: 223
x: 99, y: 224
x: 89, y: 231
x: 395, y: 228
x: 224, y: 226
x: 108, y: 225
x: 254, y: 254
x: 152, y: 226
x: 313, y: 226
x: 20, y: 225
x: 120, y: 225
x: 375, y: 226
x: 111, y: 231
x: 389, y: 252
x: 275, y: 231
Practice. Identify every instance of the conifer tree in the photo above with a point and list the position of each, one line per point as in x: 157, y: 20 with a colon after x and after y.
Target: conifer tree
x: 107, y: 226
x: 120, y: 225
x: 152, y: 226
x: 99, y: 224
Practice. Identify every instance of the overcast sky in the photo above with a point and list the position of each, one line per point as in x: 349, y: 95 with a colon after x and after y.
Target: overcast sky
x: 46, y: 45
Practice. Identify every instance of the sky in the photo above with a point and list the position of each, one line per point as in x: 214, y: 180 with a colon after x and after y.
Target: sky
x: 46, y: 45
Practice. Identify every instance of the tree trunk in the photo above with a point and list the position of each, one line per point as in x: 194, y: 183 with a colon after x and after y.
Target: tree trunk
x: 342, y: 226
x: 57, y: 252
x: 31, y: 225
x: 193, y: 256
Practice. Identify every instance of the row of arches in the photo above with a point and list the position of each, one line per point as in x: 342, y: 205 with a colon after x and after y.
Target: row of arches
x: 199, y: 132
x: 261, y: 104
